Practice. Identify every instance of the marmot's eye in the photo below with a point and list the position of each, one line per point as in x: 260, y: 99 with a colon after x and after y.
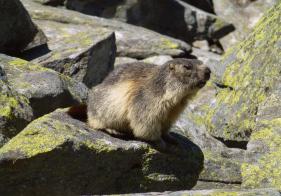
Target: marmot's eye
x: 187, y: 66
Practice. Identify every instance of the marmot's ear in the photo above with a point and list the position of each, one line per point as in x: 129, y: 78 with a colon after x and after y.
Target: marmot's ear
x: 172, y: 66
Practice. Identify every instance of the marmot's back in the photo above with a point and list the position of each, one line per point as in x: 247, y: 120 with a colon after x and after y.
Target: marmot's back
x: 133, y: 71
x: 144, y: 99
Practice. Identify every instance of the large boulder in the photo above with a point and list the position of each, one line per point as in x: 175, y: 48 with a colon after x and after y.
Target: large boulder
x: 242, y: 14
x: 183, y: 21
x: 250, y: 76
x: 85, y: 56
x: 30, y: 91
x: 18, y: 32
x: 57, y: 155
x: 131, y: 41
x: 242, y: 109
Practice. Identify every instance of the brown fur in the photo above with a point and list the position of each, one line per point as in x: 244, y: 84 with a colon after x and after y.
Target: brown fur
x: 143, y: 99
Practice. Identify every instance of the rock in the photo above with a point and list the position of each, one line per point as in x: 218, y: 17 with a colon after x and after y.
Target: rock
x: 32, y: 91
x: 221, y: 164
x: 245, y: 104
x: 50, y: 2
x: 246, y: 82
x: 66, y: 157
x: 210, y: 59
x: 15, y: 112
x: 158, y: 60
x: 183, y: 22
x: 206, y: 5
x: 18, y: 32
x: 262, y: 167
x: 246, y: 192
x: 246, y: 13
x: 134, y: 42
x: 2, y: 73
x: 85, y: 56
x: 124, y: 60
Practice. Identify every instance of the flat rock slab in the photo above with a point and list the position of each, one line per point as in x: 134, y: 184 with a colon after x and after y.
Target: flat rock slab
x: 57, y: 155
x: 132, y: 41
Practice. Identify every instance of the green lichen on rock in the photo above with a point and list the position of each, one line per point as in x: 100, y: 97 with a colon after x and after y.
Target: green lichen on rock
x: 167, y: 43
x: 32, y: 142
x: 14, y: 110
x: 252, y: 68
x: 30, y: 91
x: 7, y: 105
x: 265, y: 171
x: 60, y: 152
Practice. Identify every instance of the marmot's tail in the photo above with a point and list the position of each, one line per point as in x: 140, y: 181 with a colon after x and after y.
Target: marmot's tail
x: 78, y: 112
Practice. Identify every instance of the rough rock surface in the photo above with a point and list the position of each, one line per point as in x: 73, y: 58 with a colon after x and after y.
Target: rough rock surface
x: 158, y: 60
x: 244, y: 103
x: 124, y: 60
x: 85, y: 56
x: 242, y: 14
x: 218, y: 192
x: 65, y: 156
x: 184, y: 22
x: 15, y: 112
x: 229, y: 135
x: 18, y: 32
x: 131, y: 41
x: 221, y: 164
x: 31, y: 91
x: 249, y: 74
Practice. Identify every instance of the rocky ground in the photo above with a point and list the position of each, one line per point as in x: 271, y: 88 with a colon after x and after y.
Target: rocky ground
x: 53, y: 51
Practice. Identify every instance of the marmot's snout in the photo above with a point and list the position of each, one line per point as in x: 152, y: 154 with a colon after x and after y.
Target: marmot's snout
x: 204, y: 75
x: 207, y: 74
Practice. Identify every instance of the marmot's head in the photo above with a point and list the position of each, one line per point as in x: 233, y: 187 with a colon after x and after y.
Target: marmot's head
x: 191, y: 74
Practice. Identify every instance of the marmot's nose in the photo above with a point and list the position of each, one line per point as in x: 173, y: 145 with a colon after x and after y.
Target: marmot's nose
x: 207, y: 73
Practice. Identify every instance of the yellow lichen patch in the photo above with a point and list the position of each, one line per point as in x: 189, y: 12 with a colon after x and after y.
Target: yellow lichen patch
x: 169, y: 44
x: 25, y: 65
x: 266, y: 171
x: 100, y: 146
x: 251, y: 67
x: 33, y: 140
x: 18, y: 62
x: 7, y: 104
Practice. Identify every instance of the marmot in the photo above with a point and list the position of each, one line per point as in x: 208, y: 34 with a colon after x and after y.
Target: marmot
x: 144, y: 99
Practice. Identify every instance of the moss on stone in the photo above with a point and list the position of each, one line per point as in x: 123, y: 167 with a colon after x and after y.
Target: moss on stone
x: 24, y: 66
x: 266, y: 171
x: 7, y: 105
x: 166, y: 43
x: 252, y: 66
x: 32, y: 141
